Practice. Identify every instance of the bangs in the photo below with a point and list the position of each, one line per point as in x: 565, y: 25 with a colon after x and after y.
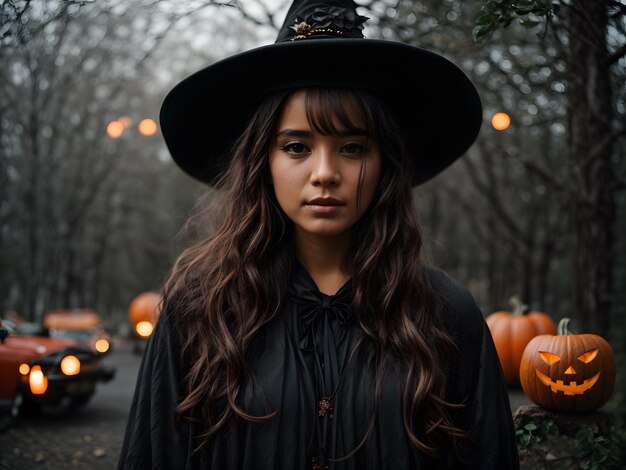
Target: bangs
x: 327, y: 111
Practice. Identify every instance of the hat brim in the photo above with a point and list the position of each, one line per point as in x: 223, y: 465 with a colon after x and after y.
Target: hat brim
x: 433, y: 101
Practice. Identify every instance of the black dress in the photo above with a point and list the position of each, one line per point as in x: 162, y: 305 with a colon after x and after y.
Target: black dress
x: 314, y: 350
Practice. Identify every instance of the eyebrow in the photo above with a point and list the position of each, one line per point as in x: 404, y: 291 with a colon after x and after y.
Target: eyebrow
x: 303, y: 133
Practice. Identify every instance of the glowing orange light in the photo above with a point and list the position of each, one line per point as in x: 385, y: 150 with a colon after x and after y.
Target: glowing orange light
x: 148, y: 127
x: 125, y: 121
x: 38, y: 381
x: 570, y: 371
x: 102, y: 345
x: 70, y: 365
x: 24, y: 369
x: 144, y: 328
x: 548, y: 357
x: 115, y: 129
x: 588, y: 356
x: 500, y: 121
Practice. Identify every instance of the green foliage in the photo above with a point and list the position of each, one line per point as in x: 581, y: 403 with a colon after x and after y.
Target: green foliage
x: 542, y: 446
x: 595, y: 448
x: 532, y: 432
x: 495, y: 14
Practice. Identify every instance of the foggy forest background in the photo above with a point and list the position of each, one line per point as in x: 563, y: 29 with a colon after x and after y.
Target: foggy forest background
x: 537, y: 210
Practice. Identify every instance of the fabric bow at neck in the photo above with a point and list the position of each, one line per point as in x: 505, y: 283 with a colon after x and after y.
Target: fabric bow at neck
x: 317, y: 307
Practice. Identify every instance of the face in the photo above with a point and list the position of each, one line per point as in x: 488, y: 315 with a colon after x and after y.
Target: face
x: 316, y: 177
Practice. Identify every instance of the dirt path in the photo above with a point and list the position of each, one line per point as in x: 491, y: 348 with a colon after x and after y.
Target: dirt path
x: 88, y: 438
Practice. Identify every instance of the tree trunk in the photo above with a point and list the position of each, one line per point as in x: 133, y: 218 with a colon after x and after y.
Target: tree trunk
x: 32, y: 201
x: 593, y: 211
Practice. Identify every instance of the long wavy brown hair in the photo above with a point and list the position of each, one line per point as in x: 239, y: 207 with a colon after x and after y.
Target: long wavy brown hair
x: 230, y: 284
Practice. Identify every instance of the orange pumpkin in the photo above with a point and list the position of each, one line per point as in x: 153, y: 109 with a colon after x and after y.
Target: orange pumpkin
x: 143, y: 313
x: 568, y: 372
x: 512, y: 331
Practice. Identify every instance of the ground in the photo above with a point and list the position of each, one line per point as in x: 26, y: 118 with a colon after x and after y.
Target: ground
x: 90, y: 437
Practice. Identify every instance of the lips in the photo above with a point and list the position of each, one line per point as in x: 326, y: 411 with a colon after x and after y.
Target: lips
x: 325, y: 201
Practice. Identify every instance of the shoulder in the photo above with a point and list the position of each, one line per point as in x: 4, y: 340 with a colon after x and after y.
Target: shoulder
x: 451, y: 291
x: 169, y: 325
x: 459, y: 312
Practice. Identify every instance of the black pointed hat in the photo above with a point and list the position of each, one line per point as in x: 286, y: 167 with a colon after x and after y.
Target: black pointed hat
x: 321, y: 44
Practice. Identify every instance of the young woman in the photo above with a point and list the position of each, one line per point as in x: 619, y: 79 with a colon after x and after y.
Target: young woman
x: 305, y: 332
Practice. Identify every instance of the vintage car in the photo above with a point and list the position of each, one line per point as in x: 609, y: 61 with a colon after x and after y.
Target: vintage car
x: 45, y: 372
x: 143, y: 313
x: 82, y: 325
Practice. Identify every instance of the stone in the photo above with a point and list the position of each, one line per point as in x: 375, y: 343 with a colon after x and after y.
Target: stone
x: 568, y: 424
x: 99, y: 452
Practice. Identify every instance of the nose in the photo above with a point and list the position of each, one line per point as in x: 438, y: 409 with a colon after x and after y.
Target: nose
x: 325, y: 169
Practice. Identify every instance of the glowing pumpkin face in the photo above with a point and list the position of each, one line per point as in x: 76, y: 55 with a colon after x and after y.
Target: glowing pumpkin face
x: 574, y: 387
x: 568, y: 372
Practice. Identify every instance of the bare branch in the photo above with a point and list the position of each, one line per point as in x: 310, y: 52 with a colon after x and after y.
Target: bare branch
x: 488, y: 191
x: 597, y: 33
x: 541, y: 171
x: 600, y: 147
x: 620, y: 9
x: 617, y: 55
x: 484, y: 232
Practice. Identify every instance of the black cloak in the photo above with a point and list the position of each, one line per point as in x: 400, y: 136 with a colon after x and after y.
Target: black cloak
x: 300, y: 358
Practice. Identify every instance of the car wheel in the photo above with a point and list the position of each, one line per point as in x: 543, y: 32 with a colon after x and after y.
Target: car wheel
x: 16, y: 407
x: 30, y: 408
x: 7, y: 419
x: 79, y: 401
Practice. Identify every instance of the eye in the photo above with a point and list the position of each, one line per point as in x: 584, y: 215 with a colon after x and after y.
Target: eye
x: 549, y: 358
x: 588, y: 356
x: 354, y: 148
x: 295, y: 148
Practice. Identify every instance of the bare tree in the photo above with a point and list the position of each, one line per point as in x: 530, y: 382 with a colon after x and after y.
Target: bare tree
x: 591, y: 38
x: 87, y: 219
x: 496, y: 220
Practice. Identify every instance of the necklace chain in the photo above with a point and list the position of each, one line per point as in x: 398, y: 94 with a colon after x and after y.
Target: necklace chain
x: 325, y: 404
x: 325, y: 407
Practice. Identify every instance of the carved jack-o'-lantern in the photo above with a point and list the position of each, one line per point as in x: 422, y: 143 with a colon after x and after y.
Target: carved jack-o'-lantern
x: 568, y: 372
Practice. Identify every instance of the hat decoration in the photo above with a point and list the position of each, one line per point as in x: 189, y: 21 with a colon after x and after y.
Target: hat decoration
x: 434, y: 104
x: 334, y: 21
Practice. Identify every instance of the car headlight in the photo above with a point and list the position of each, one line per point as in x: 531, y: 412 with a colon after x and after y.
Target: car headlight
x: 102, y: 345
x: 70, y: 365
x: 24, y: 369
x: 38, y: 381
x: 144, y: 328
